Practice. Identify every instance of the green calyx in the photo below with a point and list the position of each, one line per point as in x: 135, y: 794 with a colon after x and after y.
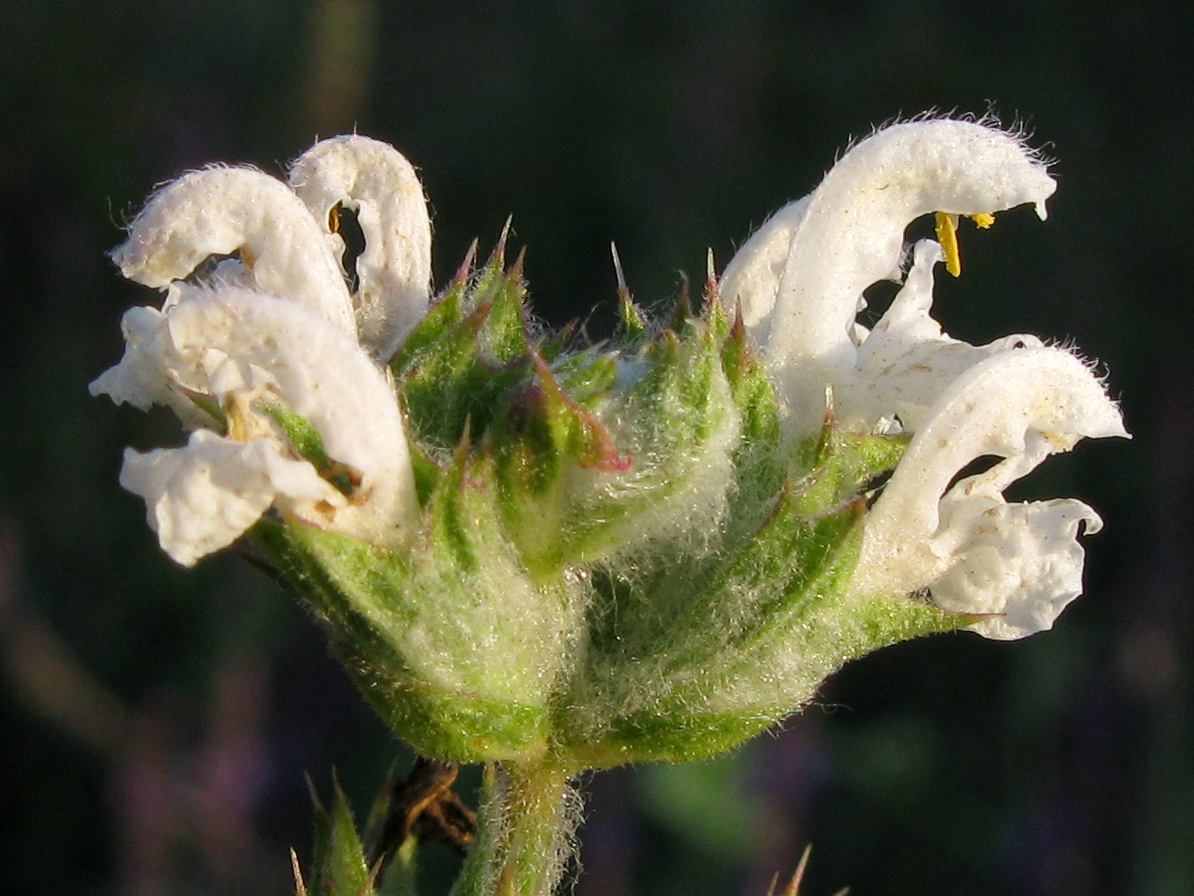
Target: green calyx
x: 620, y: 556
x: 338, y: 864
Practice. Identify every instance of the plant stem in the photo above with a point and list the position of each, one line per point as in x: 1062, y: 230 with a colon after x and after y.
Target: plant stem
x: 525, y: 832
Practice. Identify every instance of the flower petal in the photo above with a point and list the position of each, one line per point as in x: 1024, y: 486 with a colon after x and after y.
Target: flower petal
x: 849, y: 235
x: 220, y: 211
x: 394, y: 270
x: 204, y: 496
x: 852, y: 232
x: 906, y: 361
x: 973, y: 551
x: 751, y: 279
x: 1021, y: 563
x: 238, y: 339
x: 235, y: 343
x: 142, y: 376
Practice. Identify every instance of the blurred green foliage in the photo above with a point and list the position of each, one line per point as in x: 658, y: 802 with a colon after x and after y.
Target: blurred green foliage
x: 155, y: 725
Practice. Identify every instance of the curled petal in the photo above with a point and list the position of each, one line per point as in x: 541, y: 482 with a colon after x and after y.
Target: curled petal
x: 221, y: 211
x: 202, y: 497
x: 234, y: 337
x: 973, y: 551
x: 751, y: 279
x: 852, y: 232
x: 906, y: 361
x: 394, y: 270
x: 142, y: 378
x: 1019, y: 563
x: 849, y: 233
x: 235, y: 346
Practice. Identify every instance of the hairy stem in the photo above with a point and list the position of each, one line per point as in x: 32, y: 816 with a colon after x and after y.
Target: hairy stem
x: 525, y: 831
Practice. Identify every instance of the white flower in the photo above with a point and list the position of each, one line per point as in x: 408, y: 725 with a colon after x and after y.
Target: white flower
x: 273, y: 332
x: 799, y: 283
x: 285, y: 236
x: 800, y: 278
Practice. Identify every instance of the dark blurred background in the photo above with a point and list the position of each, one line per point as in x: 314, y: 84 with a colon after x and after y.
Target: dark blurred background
x: 156, y: 724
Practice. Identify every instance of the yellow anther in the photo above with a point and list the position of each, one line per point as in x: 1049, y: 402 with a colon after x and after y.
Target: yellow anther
x: 238, y: 418
x: 983, y: 220
x: 243, y: 422
x: 947, y: 236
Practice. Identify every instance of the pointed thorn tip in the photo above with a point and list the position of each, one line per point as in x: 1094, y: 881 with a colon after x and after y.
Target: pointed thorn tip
x: 623, y: 289
x: 466, y: 266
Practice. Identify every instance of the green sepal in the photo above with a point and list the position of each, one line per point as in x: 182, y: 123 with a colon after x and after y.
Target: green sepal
x: 546, y: 436
x: 760, y: 458
x: 305, y: 439
x: 884, y: 619
x: 671, y: 417
x: 630, y: 316
x: 381, y: 608
x: 553, y: 346
x: 427, y: 472
x: 586, y: 377
x: 338, y: 865
x: 445, y: 314
x: 679, y: 732
x: 710, y: 651
x: 750, y: 386
x: 682, y: 315
x: 458, y: 367
x: 454, y: 304
x: 683, y: 645
x: 633, y: 321
x: 671, y: 734
x: 844, y: 465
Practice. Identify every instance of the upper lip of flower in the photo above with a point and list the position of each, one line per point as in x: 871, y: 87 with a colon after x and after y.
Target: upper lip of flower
x: 286, y: 240
x: 801, y: 277
x: 221, y: 211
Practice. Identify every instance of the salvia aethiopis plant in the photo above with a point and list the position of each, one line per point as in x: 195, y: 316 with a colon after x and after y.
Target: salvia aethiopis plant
x: 551, y: 557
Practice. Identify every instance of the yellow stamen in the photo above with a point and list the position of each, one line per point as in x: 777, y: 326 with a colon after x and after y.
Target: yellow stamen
x: 983, y: 220
x: 947, y: 236
x: 238, y: 417
x: 242, y: 421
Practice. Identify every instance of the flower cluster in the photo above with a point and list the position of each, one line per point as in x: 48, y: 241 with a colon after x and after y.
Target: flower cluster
x: 647, y: 549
